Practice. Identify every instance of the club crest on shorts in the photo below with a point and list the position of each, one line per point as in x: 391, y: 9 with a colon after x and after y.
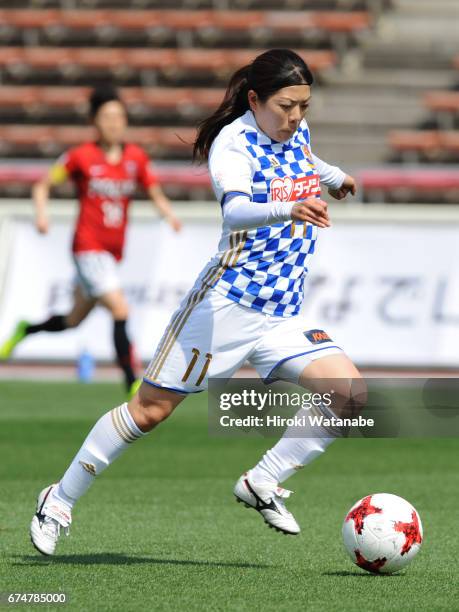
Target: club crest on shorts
x: 317, y: 336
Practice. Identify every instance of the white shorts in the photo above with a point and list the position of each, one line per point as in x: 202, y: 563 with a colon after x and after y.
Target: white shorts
x: 97, y: 272
x: 210, y: 336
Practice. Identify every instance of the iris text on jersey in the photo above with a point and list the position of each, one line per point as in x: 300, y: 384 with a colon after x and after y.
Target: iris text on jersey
x: 287, y: 189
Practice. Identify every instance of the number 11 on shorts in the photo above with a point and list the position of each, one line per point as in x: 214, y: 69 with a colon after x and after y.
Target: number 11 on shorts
x: 196, y: 353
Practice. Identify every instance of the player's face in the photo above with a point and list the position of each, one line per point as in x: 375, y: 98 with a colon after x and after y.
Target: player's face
x: 111, y: 122
x: 281, y: 114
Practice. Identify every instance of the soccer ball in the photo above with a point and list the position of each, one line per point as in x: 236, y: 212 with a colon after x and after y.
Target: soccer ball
x: 382, y: 533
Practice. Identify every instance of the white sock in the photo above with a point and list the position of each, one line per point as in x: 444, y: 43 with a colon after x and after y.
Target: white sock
x: 109, y: 437
x: 292, y: 453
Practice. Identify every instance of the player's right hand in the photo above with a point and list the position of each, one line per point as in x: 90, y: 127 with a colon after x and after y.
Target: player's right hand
x: 42, y: 225
x: 311, y: 210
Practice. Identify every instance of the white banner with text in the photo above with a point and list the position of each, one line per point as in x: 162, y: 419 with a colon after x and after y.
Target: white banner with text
x: 387, y: 293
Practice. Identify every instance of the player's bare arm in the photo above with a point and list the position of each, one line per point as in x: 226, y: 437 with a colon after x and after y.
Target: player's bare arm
x: 40, y: 195
x: 164, y: 207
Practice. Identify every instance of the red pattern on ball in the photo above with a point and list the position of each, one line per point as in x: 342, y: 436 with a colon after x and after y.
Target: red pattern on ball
x: 359, y: 513
x: 412, y: 532
x: 370, y: 566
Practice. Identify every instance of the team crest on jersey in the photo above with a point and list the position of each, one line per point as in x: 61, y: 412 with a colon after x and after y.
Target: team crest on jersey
x: 308, y: 156
x: 286, y: 189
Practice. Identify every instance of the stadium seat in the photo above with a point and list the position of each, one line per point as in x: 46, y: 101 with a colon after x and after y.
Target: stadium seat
x: 106, y: 59
x: 39, y: 101
x: 334, y: 21
x: 185, y: 19
x: 149, y: 59
x: 28, y: 97
x: 123, y: 63
x: 70, y: 23
x: 22, y: 63
x: 24, y: 19
x: 445, y: 106
x: 450, y: 142
x: 64, y: 97
x: 421, y: 145
x: 27, y: 140
x: 176, y: 138
x: 418, y: 185
x: 15, y: 97
x: 206, y: 99
x: 412, y: 145
x: 179, y: 26
x: 146, y: 103
x: 222, y: 25
x: 233, y: 59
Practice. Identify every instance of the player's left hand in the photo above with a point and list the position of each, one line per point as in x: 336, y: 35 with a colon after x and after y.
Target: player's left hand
x: 175, y: 223
x: 348, y: 186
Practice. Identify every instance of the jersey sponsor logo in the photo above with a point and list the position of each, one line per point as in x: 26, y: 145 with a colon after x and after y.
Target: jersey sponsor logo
x: 111, y: 188
x: 317, y: 336
x: 287, y: 189
x: 282, y: 189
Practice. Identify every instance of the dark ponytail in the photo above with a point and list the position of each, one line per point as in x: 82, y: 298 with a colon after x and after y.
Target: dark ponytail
x: 234, y: 104
x: 268, y: 73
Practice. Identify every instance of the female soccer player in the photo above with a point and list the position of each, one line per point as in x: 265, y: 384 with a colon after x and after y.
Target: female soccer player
x: 244, y: 305
x: 106, y: 173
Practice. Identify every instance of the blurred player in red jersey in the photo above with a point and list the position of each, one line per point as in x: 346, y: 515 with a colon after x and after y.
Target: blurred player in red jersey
x: 106, y: 173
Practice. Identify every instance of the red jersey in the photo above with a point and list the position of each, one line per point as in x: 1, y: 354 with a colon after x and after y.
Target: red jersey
x: 105, y: 191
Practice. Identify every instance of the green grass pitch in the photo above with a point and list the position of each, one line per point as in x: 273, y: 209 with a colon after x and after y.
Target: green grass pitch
x: 160, y: 530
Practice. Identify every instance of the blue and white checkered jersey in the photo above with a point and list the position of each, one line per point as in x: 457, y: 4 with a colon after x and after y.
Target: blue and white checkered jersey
x: 264, y: 268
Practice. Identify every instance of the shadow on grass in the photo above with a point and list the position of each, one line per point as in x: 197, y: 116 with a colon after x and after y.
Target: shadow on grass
x: 120, y: 559
x: 358, y: 574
